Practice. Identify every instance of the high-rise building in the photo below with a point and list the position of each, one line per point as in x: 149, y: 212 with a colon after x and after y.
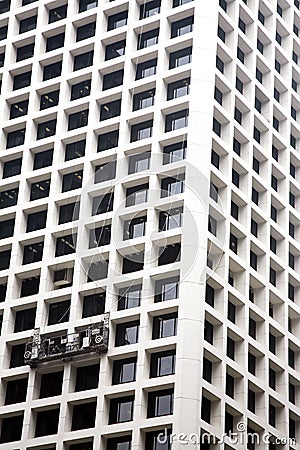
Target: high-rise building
x: 149, y: 224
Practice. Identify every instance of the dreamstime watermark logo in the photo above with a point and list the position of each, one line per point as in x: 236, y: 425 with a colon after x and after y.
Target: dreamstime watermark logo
x: 146, y: 196
x: 240, y: 437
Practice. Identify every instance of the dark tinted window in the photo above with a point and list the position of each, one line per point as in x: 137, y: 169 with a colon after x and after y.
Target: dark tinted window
x: 15, y: 138
x: 58, y: 13
x: 72, y: 181
x: 54, y: 42
x: 49, y: 99
x: 52, y: 71
x: 85, y: 31
x: 108, y: 140
x: 115, y: 50
x: 16, y: 391
x: 25, y: 52
x: 87, y: 377
x: 113, y: 79
x: 25, y: 319
x: 146, y: 69
x: 11, y: 168
x: 75, y: 150
x: 7, y: 228
x: 8, y: 198
x: 18, y: 109
x: 43, y: 159
x: 81, y: 89
x: 22, y: 80
x: 46, y: 129
x: 51, y: 384
x: 83, y: 60
x: 36, y: 221
x: 11, y: 428
x: 93, y: 304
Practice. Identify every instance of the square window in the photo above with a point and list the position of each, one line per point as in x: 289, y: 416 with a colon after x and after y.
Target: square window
x: 87, y: 377
x: 143, y: 99
x: 84, y: 416
x: 18, y: 109
x: 7, y: 228
x: 103, y: 203
x: 15, y: 138
x: 16, y: 391
x: 93, y: 304
x: 52, y: 71
x: 40, y: 189
x: 54, y: 42
x: 124, y: 370
x: 147, y: 39
x: 138, y: 163
x: 166, y: 289
x: 4, y: 6
x: 176, y: 120
x: 181, y: 27
x: 172, y: 186
x: 117, y: 20
x: 68, y: 213
x: 129, y: 297
x: 164, y: 326
x: 85, y: 5
x: 133, y: 262
x: 110, y: 110
x: 100, y: 236
x: 113, y: 79
x: 12, y: 168
x: 46, y: 129
x: 162, y: 364
x: 2, y: 59
x: 153, y: 438
x: 82, y: 89
x: 43, y: 159
x: 36, y: 221
x: 22, y: 80
x: 58, y: 13
x: 105, y: 172
x: 65, y: 245
x: 118, y: 443
x: 59, y: 312
x: 134, y: 228
x: 115, y: 50
x: 141, y: 131
x: 11, y: 428
x: 33, y: 252
x: 25, y: 52
x: 108, y: 140
x: 127, y: 333
x: 146, y: 69
x: 78, y: 120
x: 160, y: 403
x: 85, y: 31
x: 174, y: 152
x: 121, y: 409
x: 72, y: 181
x: 83, y: 60
x: 9, y: 198
x: 49, y: 99
x: 149, y: 9
x: 51, y: 384
x: 46, y: 422
x: 3, y: 32
x: 180, y: 57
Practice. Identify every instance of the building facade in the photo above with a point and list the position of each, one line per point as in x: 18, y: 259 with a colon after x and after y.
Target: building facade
x: 149, y: 224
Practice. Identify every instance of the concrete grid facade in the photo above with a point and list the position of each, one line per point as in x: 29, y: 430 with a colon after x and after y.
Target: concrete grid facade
x: 149, y: 159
